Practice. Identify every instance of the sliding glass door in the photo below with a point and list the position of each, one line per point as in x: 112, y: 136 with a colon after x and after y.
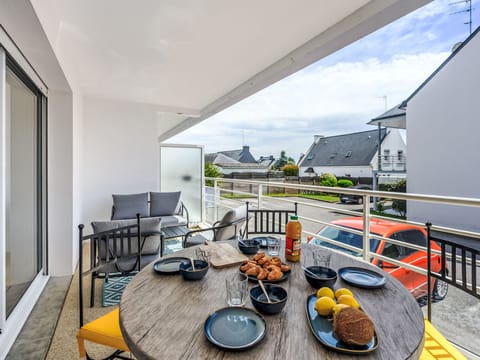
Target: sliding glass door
x: 23, y: 179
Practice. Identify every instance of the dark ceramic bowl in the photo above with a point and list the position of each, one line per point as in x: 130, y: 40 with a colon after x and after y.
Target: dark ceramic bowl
x: 201, y: 268
x: 249, y: 247
x: 325, y: 276
x: 277, y: 295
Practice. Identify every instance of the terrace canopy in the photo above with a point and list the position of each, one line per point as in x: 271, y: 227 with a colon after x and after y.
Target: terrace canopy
x: 187, y: 60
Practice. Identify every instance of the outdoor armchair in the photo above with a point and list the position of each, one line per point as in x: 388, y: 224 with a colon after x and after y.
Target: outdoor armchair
x: 268, y: 221
x: 229, y: 227
x: 131, y: 252
x: 114, y: 248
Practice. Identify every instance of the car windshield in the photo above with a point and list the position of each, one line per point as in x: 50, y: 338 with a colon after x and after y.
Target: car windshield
x: 345, y: 237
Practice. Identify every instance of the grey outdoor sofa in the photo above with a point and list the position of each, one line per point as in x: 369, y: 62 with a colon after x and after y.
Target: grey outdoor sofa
x: 157, y: 210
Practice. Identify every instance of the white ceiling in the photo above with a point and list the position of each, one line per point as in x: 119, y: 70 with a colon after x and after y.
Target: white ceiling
x: 196, y: 57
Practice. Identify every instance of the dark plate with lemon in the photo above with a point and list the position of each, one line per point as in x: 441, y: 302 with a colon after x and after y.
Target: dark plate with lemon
x: 322, y: 329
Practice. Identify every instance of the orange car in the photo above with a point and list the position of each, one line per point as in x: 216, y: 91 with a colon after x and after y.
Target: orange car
x: 416, y: 283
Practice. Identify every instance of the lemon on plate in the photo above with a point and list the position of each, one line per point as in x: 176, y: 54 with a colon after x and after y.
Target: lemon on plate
x: 325, y: 291
x: 338, y: 307
x: 324, y: 305
x: 348, y: 300
x: 342, y: 291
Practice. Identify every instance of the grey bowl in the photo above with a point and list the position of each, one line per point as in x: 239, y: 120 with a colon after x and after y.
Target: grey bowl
x: 326, y: 276
x: 277, y: 295
x: 201, y: 268
x: 249, y: 247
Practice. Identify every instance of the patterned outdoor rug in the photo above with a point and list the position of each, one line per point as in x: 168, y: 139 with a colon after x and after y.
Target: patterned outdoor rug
x: 113, y: 288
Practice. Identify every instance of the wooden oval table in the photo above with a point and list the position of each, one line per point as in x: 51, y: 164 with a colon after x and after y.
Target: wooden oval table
x: 163, y: 316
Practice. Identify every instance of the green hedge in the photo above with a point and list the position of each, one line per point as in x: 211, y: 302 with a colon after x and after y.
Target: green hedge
x: 344, y: 183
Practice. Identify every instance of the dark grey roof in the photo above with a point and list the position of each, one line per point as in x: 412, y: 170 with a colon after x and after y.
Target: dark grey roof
x: 210, y: 158
x: 243, y: 155
x: 344, y: 150
x: 266, y: 160
x: 393, y: 118
x: 393, y: 112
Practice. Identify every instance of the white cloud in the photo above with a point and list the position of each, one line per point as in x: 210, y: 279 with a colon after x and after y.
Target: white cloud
x: 340, y: 93
x: 327, y: 100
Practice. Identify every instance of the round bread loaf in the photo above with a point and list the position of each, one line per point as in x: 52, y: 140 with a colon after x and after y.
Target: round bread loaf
x: 353, y: 326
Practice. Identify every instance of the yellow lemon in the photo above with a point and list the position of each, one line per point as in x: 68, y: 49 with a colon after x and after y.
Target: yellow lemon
x: 325, y: 291
x: 324, y: 305
x: 337, y: 308
x: 348, y: 300
x: 342, y: 291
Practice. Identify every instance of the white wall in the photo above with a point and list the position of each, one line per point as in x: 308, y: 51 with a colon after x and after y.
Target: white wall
x: 242, y: 170
x: 340, y: 171
x: 443, y: 128
x: 393, y: 142
x: 61, y: 242
x: 119, y: 154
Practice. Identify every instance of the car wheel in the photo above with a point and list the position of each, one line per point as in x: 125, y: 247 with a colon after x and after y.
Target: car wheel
x: 440, y: 290
x: 360, y: 201
x: 342, y: 201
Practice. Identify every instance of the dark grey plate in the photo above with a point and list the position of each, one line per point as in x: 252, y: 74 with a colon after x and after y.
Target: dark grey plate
x: 363, y: 278
x: 235, y: 328
x: 322, y: 328
x: 169, y: 266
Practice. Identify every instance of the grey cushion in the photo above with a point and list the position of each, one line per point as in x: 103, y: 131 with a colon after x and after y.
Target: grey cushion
x: 238, y: 216
x: 164, y: 203
x: 128, y: 206
x: 174, y: 220
x: 148, y: 226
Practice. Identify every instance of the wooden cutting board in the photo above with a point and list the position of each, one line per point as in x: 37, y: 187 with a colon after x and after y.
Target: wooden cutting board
x: 223, y: 255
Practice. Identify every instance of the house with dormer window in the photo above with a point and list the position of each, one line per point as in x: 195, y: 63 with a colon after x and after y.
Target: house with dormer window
x: 355, y: 155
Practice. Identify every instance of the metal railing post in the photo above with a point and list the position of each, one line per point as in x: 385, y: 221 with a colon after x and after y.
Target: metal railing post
x: 215, y: 200
x: 366, y: 228
x: 260, y: 194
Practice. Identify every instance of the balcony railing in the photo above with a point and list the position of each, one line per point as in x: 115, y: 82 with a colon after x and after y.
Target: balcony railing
x: 394, y: 163
x: 254, y: 190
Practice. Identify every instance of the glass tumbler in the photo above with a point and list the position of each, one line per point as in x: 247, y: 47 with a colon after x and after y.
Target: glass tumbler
x: 236, y: 285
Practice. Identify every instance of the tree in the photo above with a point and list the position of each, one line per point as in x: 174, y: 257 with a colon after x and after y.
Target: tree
x: 211, y: 171
x: 399, y: 205
x: 282, y: 161
x: 290, y: 170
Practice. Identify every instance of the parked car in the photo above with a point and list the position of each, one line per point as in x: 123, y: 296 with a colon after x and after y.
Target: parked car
x: 358, y: 199
x: 416, y: 283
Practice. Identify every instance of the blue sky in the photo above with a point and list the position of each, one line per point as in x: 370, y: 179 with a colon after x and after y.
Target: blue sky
x: 342, y: 92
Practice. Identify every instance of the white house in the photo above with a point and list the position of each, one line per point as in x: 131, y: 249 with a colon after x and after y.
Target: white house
x: 443, y: 130
x: 354, y: 155
x: 89, y: 89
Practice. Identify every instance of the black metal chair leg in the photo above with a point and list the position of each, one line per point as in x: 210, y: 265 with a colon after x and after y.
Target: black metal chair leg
x: 92, y: 290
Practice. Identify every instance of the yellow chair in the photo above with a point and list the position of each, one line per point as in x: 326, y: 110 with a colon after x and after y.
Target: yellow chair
x: 437, y: 347
x: 104, y: 330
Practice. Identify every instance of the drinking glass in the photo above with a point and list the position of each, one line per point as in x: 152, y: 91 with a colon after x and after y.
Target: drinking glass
x: 273, y: 246
x: 202, y: 254
x: 236, y: 285
x: 321, y: 258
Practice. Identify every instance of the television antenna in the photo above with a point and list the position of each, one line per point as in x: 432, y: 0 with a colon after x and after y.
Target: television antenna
x: 468, y: 10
